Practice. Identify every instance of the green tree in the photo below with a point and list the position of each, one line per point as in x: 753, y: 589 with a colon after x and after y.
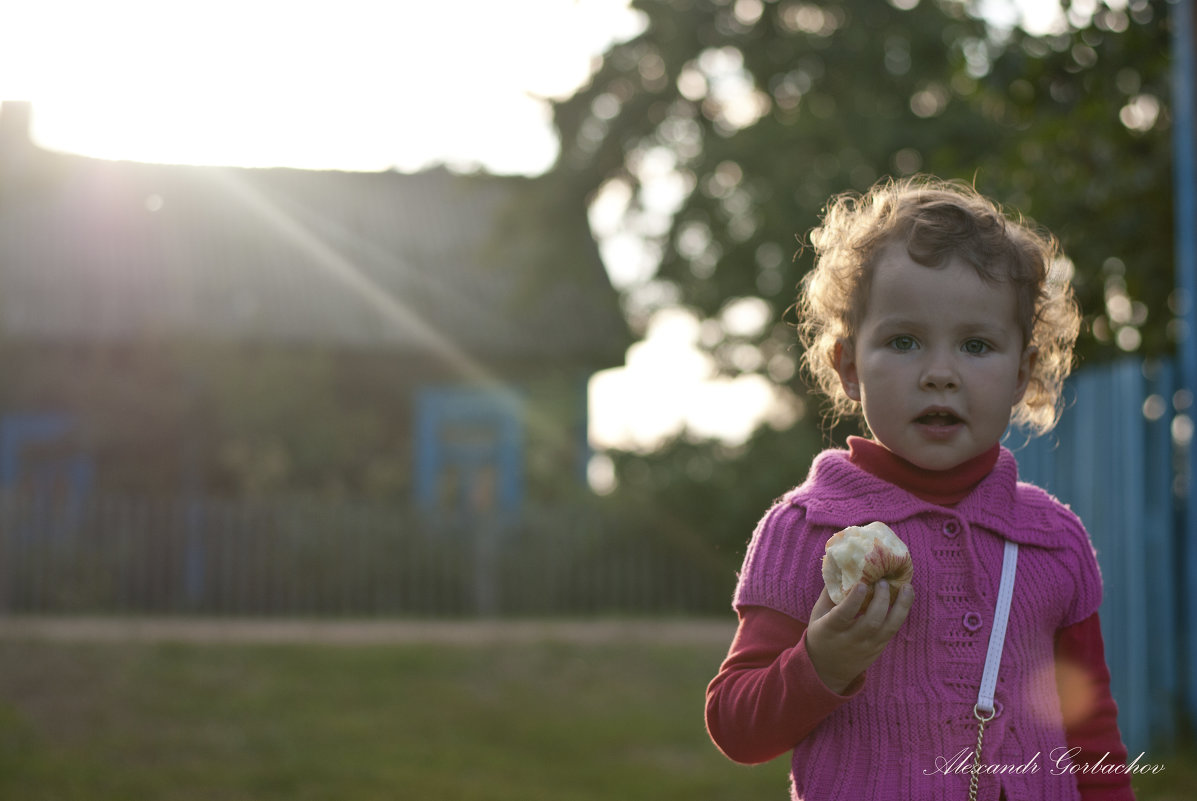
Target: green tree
x: 1088, y: 154
x: 720, y: 131
x: 727, y: 125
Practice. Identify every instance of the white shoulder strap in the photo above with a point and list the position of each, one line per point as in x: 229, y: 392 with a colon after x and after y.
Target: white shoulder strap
x: 997, y: 637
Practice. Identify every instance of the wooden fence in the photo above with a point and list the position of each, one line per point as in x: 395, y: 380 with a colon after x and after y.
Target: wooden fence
x: 1115, y: 460
x: 297, y: 557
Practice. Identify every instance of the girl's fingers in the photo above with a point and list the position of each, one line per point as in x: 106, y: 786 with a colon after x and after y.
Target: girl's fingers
x: 880, y: 603
x: 822, y: 606
x: 878, y: 617
x: 850, y: 607
x: 899, y: 611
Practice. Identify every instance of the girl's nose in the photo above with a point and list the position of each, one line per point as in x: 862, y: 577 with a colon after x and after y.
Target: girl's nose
x: 939, y: 375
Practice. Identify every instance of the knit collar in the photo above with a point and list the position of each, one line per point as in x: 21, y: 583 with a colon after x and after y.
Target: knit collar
x: 839, y: 493
x: 943, y: 487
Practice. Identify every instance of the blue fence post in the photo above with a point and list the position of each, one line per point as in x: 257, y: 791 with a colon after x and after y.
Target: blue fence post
x: 1126, y: 539
x: 1160, y: 529
x: 1184, y: 167
x: 195, y: 556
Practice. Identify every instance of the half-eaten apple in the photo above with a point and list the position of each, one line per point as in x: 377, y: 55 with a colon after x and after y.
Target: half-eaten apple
x: 866, y: 554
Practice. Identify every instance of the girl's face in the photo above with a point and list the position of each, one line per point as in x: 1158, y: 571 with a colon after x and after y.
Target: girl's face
x: 938, y: 361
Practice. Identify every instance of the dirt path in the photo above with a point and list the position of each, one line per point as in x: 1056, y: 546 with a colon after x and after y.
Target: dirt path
x: 364, y: 632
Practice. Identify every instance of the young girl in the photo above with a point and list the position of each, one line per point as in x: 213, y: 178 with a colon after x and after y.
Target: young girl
x: 940, y: 321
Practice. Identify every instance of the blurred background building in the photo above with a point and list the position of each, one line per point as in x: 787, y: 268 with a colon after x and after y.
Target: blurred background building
x: 232, y: 331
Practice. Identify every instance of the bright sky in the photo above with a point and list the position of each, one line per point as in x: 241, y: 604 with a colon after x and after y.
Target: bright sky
x: 359, y: 85
x: 344, y: 84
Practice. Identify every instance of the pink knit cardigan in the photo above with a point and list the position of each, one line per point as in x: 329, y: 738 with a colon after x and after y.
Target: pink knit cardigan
x: 909, y: 732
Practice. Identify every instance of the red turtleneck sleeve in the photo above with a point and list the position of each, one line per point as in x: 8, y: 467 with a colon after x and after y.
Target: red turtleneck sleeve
x: 767, y: 696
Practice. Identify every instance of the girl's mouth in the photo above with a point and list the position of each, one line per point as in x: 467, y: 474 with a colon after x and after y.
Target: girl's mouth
x: 942, y: 419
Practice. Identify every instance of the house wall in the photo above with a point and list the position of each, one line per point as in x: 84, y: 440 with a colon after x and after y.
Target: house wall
x: 237, y: 420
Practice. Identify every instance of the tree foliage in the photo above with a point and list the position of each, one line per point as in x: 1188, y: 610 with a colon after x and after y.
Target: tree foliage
x: 721, y: 130
x: 727, y: 125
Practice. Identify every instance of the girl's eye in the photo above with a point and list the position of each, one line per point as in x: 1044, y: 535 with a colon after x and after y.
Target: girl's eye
x: 976, y: 346
x: 902, y: 342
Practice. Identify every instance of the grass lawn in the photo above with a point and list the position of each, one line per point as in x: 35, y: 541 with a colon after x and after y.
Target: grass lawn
x: 547, y: 721
x: 84, y: 722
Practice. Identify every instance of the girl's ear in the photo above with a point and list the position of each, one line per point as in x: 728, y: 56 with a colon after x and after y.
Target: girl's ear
x: 1026, y: 366
x: 844, y: 358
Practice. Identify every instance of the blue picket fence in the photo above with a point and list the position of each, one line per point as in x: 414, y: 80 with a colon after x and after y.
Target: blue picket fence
x: 307, y: 557
x: 1116, y: 458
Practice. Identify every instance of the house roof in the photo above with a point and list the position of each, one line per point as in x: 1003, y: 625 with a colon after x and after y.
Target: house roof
x: 94, y: 250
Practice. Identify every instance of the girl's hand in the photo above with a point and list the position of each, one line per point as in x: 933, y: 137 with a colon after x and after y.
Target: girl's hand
x: 842, y: 641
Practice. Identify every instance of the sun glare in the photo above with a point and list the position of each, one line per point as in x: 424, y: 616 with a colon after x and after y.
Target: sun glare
x: 669, y: 386
x: 351, y: 84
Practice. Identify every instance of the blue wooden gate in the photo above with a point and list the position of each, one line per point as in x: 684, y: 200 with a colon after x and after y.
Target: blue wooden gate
x: 1112, y: 458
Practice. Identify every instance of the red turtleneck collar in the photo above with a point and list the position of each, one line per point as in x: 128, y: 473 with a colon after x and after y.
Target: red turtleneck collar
x: 943, y: 487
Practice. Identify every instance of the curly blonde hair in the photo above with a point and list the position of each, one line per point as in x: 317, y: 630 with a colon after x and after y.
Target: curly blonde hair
x: 936, y: 220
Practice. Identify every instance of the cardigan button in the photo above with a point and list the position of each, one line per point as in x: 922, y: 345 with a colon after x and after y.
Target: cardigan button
x: 972, y: 621
x: 951, y: 528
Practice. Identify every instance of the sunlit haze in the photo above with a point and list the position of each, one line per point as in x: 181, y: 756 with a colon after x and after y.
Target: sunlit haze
x: 373, y: 85
x: 348, y: 84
